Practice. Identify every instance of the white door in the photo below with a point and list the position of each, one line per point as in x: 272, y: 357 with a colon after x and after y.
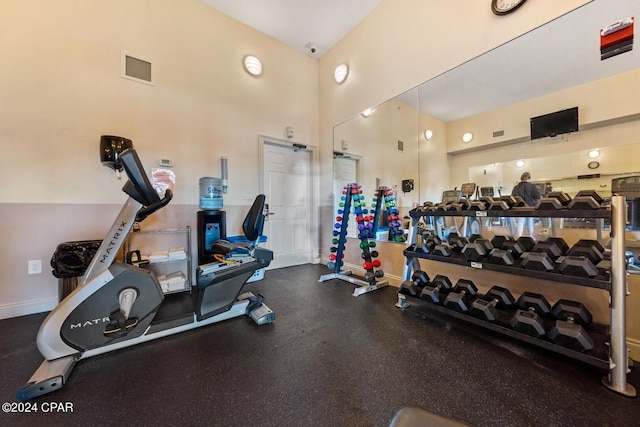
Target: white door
x: 345, y: 171
x: 287, y: 187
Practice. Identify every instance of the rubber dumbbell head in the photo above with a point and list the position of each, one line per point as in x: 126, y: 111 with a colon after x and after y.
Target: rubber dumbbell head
x: 577, y: 266
x: 461, y: 295
x: 498, y: 240
x: 549, y: 248
x: 440, y: 285
x: 567, y: 331
x: 535, y: 301
x: 538, y: 261
x: 496, y: 297
x: 501, y: 257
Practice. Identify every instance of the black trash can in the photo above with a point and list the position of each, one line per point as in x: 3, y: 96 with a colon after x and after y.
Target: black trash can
x: 70, y: 261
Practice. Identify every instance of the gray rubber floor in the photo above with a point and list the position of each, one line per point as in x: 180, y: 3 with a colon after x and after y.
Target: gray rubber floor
x: 329, y: 359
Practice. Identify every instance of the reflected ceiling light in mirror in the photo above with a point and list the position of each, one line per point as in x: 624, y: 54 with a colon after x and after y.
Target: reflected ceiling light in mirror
x: 253, y: 65
x: 368, y: 112
x: 520, y: 163
x: 594, y: 154
x: 428, y: 134
x: 467, y: 137
x: 340, y: 73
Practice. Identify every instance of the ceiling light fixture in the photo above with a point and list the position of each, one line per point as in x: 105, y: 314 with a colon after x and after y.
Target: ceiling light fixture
x: 368, y: 112
x: 594, y: 154
x: 520, y: 163
x: 253, y: 65
x: 467, y: 137
x: 340, y: 73
x: 428, y: 134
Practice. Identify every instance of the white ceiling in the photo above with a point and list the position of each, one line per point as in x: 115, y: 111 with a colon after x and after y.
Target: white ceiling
x: 561, y: 54
x: 299, y: 23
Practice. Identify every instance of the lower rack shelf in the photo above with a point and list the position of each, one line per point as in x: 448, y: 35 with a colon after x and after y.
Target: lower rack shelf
x: 598, y: 356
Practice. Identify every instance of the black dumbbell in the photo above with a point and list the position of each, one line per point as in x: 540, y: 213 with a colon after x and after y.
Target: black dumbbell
x: 431, y: 292
x: 591, y: 249
x: 538, y: 261
x: 498, y: 240
x: 442, y: 250
x: 567, y: 331
x: 477, y: 249
x: 457, y: 242
x: 586, y: 200
x: 528, y: 318
x: 420, y: 278
x: 500, y: 257
x: 576, y: 266
x: 461, y: 296
x: 553, y: 200
x: 496, y: 297
x: 553, y: 248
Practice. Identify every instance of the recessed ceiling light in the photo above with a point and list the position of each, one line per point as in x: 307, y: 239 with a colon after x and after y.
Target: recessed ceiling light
x: 340, y: 73
x: 368, y: 112
x: 593, y: 154
x: 253, y: 65
x: 467, y: 137
x: 520, y: 163
x: 428, y: 134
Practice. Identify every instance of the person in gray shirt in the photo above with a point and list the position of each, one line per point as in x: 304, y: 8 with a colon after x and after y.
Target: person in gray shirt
x: 530, y: 194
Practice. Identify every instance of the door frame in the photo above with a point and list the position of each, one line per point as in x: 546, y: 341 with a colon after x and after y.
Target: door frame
x: 314, y: 249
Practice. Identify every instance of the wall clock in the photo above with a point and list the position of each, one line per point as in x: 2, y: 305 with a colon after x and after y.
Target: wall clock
x: 504, y: 7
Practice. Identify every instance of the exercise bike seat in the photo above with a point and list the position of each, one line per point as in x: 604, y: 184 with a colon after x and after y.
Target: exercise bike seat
x: 252, y: 228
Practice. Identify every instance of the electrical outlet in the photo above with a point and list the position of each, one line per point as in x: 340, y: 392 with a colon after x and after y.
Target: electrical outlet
x: 34, y: 266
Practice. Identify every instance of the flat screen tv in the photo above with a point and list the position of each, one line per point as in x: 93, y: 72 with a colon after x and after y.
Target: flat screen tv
x: 553, y: 124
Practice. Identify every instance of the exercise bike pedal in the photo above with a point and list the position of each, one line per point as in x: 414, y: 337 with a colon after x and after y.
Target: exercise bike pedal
x: 257, y: 309
x: 120, y: 328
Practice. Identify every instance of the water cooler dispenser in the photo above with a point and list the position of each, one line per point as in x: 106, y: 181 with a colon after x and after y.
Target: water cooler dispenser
x: 212, y: 224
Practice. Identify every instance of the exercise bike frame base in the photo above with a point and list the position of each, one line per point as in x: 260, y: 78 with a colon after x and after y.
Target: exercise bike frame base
x: 53, y: 374
x: 628, y: 390
x: 50, y: 376
x: 363, y: 286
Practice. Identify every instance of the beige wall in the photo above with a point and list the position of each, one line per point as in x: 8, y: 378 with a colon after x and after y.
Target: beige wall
x: 61, y: 89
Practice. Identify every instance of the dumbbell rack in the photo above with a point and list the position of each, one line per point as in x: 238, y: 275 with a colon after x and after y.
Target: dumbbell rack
x: 610, y: 351
x: 350, y: 192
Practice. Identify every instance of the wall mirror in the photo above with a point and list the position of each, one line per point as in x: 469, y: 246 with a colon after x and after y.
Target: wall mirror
x: 512, y: 73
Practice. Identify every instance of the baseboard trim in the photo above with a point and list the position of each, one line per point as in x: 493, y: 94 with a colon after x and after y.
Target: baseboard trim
x: 634, y: 348
x: 8, y: 311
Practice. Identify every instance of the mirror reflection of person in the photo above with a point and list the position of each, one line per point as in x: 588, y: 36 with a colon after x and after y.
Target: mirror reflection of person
x: 530, y: 194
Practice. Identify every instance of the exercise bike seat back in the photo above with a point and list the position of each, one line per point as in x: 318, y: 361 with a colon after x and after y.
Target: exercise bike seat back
x: 252, y: 227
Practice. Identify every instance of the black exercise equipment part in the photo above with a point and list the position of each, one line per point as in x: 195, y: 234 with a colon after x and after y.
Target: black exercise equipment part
x: 528, y: 318
x: 591, y: 249
x: 477, y: 249
x: 498, y: 240
x: 461, y: 296
x: 413, y: 287
x: 486, y: 308
x: 553, y: 200
x: 577, y: 266
x: 539, y: 261
x: 499, y: 205
x: 527, y: 242
x: 584, y: 203
x: 442, y: 250
x: 431, y: 292
x: 515, y: 247
x: 553, y: 247
x: 567, y: 331
x: 501, y: 257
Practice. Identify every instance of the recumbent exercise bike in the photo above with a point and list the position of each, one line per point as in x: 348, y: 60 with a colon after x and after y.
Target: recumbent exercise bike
x: 117, y: 305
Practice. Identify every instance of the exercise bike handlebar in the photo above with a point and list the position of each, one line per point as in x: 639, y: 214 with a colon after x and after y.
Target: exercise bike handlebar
x: 139, y: 187
x: 148, y: 210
